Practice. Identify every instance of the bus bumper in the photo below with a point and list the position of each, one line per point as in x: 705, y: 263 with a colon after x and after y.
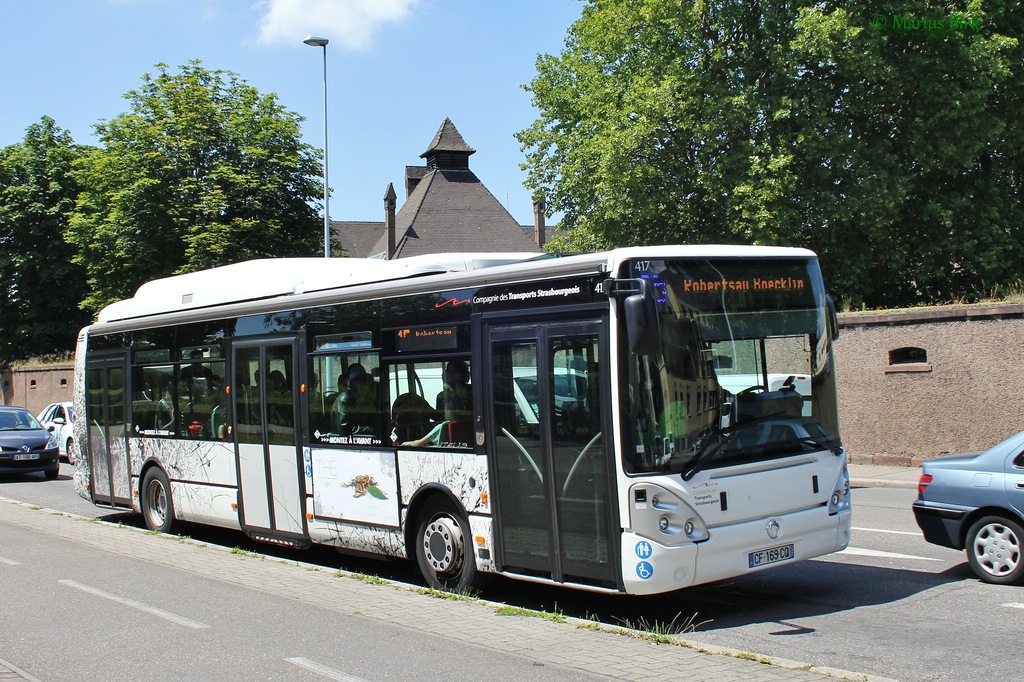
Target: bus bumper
x: 734, y: 550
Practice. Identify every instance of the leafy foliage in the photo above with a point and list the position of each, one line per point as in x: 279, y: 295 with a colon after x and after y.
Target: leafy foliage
x: 40, y: 287
x: 895, y: 152
x: 203, y: 171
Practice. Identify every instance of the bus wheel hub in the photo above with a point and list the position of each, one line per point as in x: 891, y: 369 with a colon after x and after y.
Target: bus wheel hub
x: 442, y: 544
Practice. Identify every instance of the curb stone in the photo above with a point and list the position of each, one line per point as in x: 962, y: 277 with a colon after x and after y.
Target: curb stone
x: 9, y: 671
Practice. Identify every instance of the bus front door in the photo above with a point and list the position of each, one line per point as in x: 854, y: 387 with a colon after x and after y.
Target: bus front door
x: 267, y: 441
x: 107, y: 450
x: 552, y: 476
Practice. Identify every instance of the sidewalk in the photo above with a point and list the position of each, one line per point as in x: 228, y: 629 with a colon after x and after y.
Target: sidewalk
x: 876, y: 476
x: 605, y: 651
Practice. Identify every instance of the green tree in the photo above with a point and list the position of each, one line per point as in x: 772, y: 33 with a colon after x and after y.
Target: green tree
x: 893, y: 151
x: 40, y: 287
x: 203, y: 171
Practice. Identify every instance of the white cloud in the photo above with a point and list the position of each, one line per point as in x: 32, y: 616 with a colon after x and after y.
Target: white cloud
x: 352, y: 23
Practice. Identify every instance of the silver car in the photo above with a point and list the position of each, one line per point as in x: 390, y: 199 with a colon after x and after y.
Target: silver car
x: 976, y: 503
x: 58, y: 417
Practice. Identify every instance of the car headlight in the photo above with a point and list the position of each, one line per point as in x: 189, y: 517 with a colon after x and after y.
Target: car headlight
x: 51, y: 442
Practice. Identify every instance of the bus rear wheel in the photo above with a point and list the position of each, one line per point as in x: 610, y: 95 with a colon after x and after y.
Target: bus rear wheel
x: 443, y: 549
x: 155, y: 500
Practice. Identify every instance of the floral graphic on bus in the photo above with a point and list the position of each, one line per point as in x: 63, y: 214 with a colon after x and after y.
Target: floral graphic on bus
x: 365, y: 484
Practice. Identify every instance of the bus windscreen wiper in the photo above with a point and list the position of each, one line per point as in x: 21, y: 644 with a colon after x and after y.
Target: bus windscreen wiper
x: 835, y: 448
x: 705, y: 453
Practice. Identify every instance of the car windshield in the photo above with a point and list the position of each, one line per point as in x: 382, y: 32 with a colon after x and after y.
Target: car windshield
x: 745, y: 371
x: 16, y: 420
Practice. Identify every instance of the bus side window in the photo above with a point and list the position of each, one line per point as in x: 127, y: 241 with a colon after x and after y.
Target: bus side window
x: 201, y: 397
x: 348, y: 398
x: 434, y: 405
x: 153, y: 404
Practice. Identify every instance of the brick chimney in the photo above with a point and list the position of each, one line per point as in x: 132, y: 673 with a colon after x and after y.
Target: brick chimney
x: 389, y: 218
x: 538, y: 221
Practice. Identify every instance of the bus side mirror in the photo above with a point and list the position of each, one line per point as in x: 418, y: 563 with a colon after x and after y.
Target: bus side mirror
x: 833, y: 317
x: 642, y: 325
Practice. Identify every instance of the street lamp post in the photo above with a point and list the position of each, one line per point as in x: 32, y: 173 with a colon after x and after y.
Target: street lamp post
x: 314, y: 41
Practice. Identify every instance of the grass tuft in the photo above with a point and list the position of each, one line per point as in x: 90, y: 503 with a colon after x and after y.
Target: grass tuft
x: 555, y: 617
x: 368, y: 579
x: 245, y: 552
x: 441, y: 594
x: 665, y: 632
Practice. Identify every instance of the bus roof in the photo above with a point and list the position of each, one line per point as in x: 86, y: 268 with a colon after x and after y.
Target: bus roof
x: 272, y: 278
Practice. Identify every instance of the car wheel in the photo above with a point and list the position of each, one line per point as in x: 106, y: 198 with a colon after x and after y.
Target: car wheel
x: 70, y: 450
x: 994, y: 550
x: 444, y: 549
x: 52, y: 474
x: 155, y: 500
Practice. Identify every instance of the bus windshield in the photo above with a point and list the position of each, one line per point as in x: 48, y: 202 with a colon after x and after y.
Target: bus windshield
x: 745, y: 371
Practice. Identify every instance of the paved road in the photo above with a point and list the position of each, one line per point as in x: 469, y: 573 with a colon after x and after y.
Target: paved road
x: 177, y: 608
x: 891, y: 604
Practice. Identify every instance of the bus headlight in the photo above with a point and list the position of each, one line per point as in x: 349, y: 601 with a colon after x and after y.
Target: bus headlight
x: 840, y: 499
x: 660, y: 515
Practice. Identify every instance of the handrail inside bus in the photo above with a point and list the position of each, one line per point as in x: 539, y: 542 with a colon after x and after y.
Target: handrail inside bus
x: 579, y: 459
x: 525, y: 453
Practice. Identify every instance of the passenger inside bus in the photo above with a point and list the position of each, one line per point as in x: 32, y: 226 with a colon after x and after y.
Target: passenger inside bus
x: 455, y: 401
x: 355, y: 410
x: 454, y: 410
x: 279, y: 400
x: 412, y: 415
x: 165, y: 409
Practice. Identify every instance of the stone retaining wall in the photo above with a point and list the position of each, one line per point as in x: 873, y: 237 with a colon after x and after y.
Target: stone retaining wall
x: 37, y: 387
x: 918, y: 384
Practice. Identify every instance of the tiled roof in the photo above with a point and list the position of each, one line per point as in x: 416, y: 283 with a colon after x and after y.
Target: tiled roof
x: 453, y: 211
x: 357, y: 237
x: 448, y: 139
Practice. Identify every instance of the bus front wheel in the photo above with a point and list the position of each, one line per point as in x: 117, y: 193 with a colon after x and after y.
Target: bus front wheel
x: 443, y: 548
x: 155, y: 499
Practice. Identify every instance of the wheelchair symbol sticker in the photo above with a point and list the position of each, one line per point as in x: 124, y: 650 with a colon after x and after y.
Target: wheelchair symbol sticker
x: 644, y: 570
x: 644, y: 549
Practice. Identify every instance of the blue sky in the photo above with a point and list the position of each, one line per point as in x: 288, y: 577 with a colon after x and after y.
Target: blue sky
x: 396, y: 69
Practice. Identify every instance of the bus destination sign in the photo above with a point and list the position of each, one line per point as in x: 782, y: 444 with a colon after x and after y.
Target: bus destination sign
x: 413, y: 339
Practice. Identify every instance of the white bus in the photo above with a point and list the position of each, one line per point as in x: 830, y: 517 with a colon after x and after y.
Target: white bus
x: 590, y: 442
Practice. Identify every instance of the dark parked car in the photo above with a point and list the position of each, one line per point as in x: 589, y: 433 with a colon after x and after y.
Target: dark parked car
x: 25, y: 445
x: 976, y: 503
